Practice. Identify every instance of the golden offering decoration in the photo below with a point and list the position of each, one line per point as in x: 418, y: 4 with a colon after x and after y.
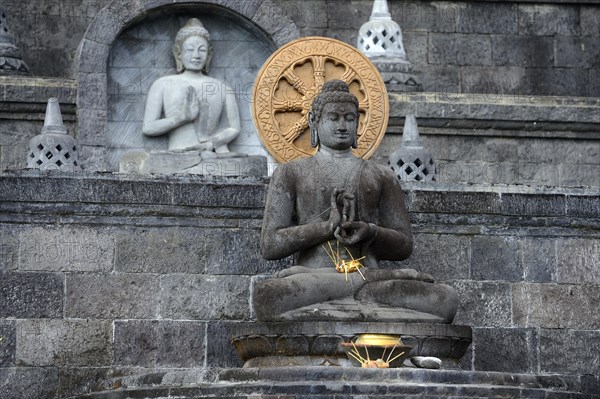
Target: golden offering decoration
x: 344, y: 265
x: 380, y: 351
x: 290, y: 79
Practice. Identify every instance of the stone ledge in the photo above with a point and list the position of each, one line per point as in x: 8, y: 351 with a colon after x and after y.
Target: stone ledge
x: 498, y: 115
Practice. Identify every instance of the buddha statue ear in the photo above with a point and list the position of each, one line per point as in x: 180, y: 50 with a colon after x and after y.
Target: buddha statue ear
x: 177, y: 56
x: 314, y: 137
x: 207, y: 62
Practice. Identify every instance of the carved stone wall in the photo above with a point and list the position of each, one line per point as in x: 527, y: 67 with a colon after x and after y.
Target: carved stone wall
x: 149, y: 276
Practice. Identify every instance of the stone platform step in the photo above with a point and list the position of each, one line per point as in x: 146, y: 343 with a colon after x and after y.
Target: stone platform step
x: 356, y: 383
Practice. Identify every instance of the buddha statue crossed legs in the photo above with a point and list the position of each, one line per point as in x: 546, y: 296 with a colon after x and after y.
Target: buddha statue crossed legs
x: 336, y: 201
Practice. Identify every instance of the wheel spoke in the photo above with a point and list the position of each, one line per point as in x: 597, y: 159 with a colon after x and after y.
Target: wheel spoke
x: 318, y: 63
x: 295, y: 81
x: 295, y: 131
x: 287, y: 105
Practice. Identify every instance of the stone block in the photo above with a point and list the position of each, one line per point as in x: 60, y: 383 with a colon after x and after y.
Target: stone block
x: 454, y: 202
x: 537, y: 174
x: 415, y: 45
x: 525, y: 51
x: 495, y: 258
x: 506, y: 349
x: 159, y: 343
x: 589, y: 20
x: 487, y: 18
x: 548, y: 19
x: 583, y: 206
x: 197, y: 297
x: 273, y: 20
x: 556, y: 306
x: 64, y: 342
x: 91, y: 53
x: 569, y: 351
x: 91, y: 130
x: 9, y: 248
x: 310, y: 13
x: 483, y: 304
x: 31, y: 295
x: 533, y: 205
x: 112, y: 296
x: 554, y: 82
x: 8, y: 343
x: 92, y: 91
x: 238, y: 252
x: 445, y: 257
x: 219, y: 350
x: 79, y: 381
x: 66, y: 249
x: 92, y: 158
x: 493, y: 82
x: 161, y: 250
x: 28, y: 382
x: 594, y: 83
x: 579, y: 175
x: 460, y: 49
x: 425, y: 16
x: 440, y: 78
x: 346, y: 13
x: 577, y: 52
x: 577, y: 261
x: 538, y: 257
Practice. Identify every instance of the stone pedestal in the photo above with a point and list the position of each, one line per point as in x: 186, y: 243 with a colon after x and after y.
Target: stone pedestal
x: 169, y: 162
x: 278, y: 344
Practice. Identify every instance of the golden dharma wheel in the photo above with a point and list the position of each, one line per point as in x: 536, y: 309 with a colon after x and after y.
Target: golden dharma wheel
x: 290, y: 79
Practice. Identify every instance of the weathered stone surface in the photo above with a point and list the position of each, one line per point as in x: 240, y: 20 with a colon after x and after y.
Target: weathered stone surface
x: 546, y: 205
x: 73, y: 381
x: 577, y: 261
x: 483, y: 304
x: 548, y: 19
x: 578, y: 52
x: 554, y: 82
x: 112, y: 296
x: 578, y: 175
x: 28, y: 383
x: 568, y: 351
x: 8, y: 343
x: 424, y: 16
x: 460, y: 49
x: 538, y: 257
x: 526, y: 51
x: 92, y: 92
x: 445, y: 257
x: 589, y: 20
x: 9, y: 248
x: 556, y: 306
x: 274, y: 21
x: 238, y: 252
x: 219, y: 350
x: 495, y: 258
x: 159, y: 343
x: 64, y: 342
x: 506, y: 349
x: 163, y: 250
x: 199, y: 297
x: 487, y: 18
x: 66, y: 249
x: 31, y: 295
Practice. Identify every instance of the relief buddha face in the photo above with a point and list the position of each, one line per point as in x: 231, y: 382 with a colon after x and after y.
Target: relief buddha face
x: 337, y: 127
x: 194, y: 53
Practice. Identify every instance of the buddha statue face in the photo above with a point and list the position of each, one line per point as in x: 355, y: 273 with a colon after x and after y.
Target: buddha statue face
x: 337, y: 126
x: 192, y: 49
x: 194, y: 53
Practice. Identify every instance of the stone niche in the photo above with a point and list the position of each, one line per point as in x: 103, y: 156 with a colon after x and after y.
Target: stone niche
x: 128, y: 46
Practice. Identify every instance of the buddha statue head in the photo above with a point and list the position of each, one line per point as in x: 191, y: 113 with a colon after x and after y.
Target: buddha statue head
x: 333, y: 117
x: 192, y: 49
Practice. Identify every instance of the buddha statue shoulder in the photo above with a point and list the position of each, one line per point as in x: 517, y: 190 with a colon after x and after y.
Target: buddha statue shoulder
x: 339, y: 215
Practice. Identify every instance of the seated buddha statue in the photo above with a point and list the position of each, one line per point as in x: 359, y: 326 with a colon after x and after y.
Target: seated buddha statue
x: 330, y: 209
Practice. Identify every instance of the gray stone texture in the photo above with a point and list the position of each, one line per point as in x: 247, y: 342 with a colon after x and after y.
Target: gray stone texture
x: 517, y: 347
x: 66, y: 249
x: 483, y: 304
x: 556, y: 306
x: 219, y: 350
x: 64, y: 342
x: 495, y: 258
x: 538, y: 257
x: 28, y: 382
x: 525, y: 51
x: 7, y: 343
x: 548, y: 19
x: 569, y: 351
x: 576, y: 52
x: 200, y: 297
x: 159, y: 343
x: 577, y: 261
x: 9, y: 249
x: 460, y: 49
x: 112, y: 296
x: 164, y: 250
x: 31, y: 295
x: 487, y: 18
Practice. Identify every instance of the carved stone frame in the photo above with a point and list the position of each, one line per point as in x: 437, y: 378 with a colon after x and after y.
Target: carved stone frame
x: 91, y: 67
